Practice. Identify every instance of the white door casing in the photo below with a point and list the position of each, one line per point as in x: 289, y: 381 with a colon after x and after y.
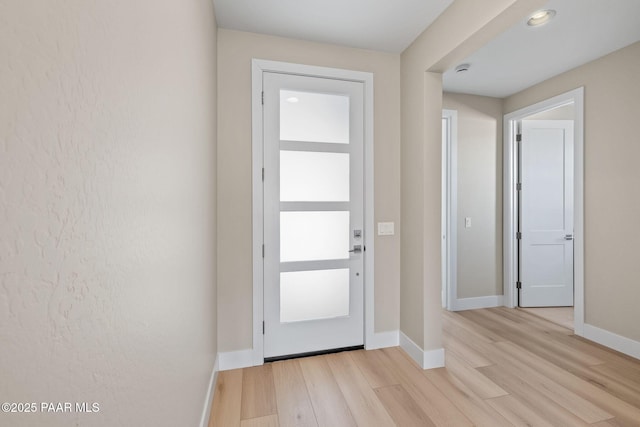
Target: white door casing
x: 444, y: 219
x: 510, y: 215
x: 449, y: 209
x: 546, y: 213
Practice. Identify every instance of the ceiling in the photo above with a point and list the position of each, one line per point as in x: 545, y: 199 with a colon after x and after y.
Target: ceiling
x: 383, y: 25
x: 581, y: 31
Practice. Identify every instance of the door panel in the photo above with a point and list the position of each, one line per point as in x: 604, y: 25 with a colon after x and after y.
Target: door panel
x: 546, y: 213
x: 314, y: 294
x: 313, y: 207
x: 311, y: 116
x: 307, y: 176
x: 309, y: 236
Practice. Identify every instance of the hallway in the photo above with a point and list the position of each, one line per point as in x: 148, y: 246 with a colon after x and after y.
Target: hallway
x: 503, y: 367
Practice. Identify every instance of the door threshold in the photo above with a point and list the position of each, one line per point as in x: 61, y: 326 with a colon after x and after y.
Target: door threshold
x: 312, y: 353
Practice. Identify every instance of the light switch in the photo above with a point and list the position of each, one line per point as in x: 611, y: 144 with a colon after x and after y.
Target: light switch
x: 386, y: 229
x: 467, y: 222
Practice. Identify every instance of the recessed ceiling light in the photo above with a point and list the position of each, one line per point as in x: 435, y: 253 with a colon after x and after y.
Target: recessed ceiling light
x: 292, y: 99
x: 462, y: 68
x: 541, y: 17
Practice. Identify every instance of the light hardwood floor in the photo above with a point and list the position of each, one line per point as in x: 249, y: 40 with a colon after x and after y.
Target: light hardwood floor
x: 560, y: 315
x: 504, y: 367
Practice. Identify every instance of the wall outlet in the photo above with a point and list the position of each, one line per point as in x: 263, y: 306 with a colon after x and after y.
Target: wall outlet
x: 467, y: 222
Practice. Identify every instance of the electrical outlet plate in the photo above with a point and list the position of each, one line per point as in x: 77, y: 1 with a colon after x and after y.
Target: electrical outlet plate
x: 386, y: 229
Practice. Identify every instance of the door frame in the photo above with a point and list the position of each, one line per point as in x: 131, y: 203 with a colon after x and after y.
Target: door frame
x: 258, y: 67
x: 450, y: 210
x: 510, y: 222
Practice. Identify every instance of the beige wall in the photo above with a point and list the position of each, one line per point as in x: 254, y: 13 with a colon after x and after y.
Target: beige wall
x: 463, y: 27
x: 479, y: 194
x: 612, y: 205
x: 107, y: 194
x: 235, y: 289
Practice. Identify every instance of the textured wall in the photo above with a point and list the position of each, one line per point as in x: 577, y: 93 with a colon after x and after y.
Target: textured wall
x: 236, y: 49
x: 479, y: 194
x: 107, y: 209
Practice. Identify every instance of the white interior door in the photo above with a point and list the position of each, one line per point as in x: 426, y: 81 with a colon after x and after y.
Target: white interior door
x: 313, y: 214
x: 546, y: 213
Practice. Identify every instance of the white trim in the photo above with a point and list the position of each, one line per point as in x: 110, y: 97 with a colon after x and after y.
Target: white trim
x: 510, y: 221
x: 478, y: 302
x: 258, y: 212
x: 237, y: 359
x: 208, y: 399
x: 369, y: 225
x: 617, y: 342
x: 450, y: 209
x: 425, y: 359
x: 578, y: 216
x: 433, y: 359
x: 258, y: 67
x: 412, y: 349
x: 384, y: 340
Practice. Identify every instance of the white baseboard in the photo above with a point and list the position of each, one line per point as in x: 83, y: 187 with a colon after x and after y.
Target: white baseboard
x: 208, y: 400
x: 478, y: 302
x: 384, y: 340
x: 236, y: 359
x: 426, y: 359
x: 617, y: 342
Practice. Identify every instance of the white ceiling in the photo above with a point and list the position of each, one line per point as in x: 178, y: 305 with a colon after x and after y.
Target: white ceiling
x: 384, y: 25
x: 581, y: 31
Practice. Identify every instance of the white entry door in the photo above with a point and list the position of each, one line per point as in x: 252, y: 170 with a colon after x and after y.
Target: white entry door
x: 546, y: 213
x: 313, y: 214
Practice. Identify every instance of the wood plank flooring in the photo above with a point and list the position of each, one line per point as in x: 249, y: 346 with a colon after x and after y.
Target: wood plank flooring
x: 504, y: 367
x: 560, y: 315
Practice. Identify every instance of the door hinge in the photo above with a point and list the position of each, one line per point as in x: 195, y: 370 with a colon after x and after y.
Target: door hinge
x: 263, y: 251
x: 262, y: 174
x: 518, y: 285
x: 519, y: 186
x: 518, y: 235
x: 263, y: 327
x: 519, y: 137
x: 262, y: 97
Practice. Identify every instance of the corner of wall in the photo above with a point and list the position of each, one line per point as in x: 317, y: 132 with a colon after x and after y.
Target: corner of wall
x: 383, y: 340
x: 210, y: 395
x: 426, y: 359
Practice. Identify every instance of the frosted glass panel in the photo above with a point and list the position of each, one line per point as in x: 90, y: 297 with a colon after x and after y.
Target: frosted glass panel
x: 310, y: 295
x: 309, y: 236
x: 308, y: 176
x: 314, y: 117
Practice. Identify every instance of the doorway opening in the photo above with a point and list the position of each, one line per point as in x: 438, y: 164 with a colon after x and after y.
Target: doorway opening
x: 543, y: 206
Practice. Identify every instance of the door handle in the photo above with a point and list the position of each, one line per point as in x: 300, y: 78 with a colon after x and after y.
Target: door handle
x: 568, y: 237
x: 356, y: 249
